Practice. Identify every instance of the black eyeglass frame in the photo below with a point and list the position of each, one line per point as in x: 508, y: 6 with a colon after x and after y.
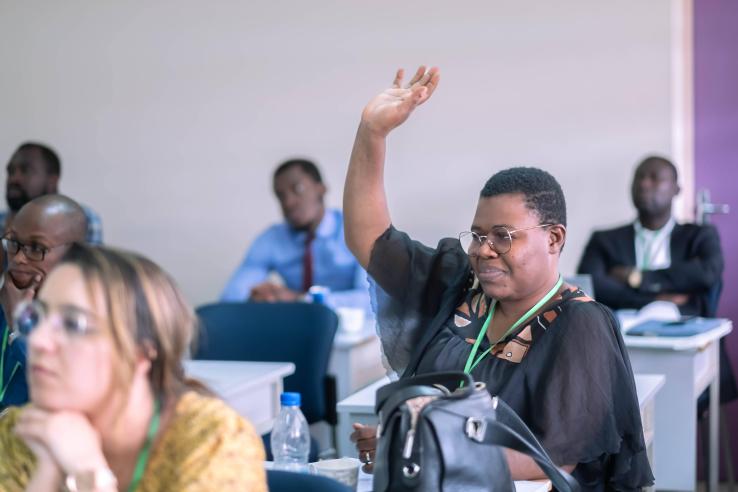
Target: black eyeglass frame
x: 28, y: 251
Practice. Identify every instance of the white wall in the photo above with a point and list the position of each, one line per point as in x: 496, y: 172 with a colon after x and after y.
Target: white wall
x: 170, y: 115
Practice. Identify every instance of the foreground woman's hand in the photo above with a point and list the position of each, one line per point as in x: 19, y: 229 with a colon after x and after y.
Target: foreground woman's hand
x: 66, y: 438
x: 365, y: 438
x: 392, y: 107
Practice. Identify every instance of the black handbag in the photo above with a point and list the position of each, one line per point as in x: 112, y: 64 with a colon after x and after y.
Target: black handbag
x: 443, y: 432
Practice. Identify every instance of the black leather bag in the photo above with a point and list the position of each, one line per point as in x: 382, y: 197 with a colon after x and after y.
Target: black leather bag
x: 443, y: 432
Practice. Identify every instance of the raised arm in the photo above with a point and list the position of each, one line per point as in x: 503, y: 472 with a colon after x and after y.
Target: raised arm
x: 366, y: 215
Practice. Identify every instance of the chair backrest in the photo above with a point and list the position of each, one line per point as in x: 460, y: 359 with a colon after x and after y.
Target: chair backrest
x: 300, y: 333
x: 711, y: 299
x: 583, y: 281
x: 283, y: 481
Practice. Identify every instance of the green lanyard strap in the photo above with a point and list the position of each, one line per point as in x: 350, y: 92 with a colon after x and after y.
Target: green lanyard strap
x: 143, y: 456
x: 3, y: 385
x: 470, y: 362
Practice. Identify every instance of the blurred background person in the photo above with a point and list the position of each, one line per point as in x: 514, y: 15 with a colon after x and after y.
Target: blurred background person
x: 655, y: 258
x: 34, y: 169
x: 306, y: 249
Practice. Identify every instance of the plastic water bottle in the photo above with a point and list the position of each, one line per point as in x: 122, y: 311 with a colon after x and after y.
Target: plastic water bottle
x: 291, y: 436
x: 318, y: 294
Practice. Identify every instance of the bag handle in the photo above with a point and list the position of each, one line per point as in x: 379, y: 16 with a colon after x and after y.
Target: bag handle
x: 511, y: 432
x: 501, y: 435
x: 451, y: 380
x: 400, y: 397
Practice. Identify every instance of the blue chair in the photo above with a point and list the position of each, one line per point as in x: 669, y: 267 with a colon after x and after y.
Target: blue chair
x: 282, y: 481
x: 583, y: 281
x: 300, y: 333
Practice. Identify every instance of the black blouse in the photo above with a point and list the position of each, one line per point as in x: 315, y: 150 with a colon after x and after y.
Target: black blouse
x: 565, y: 372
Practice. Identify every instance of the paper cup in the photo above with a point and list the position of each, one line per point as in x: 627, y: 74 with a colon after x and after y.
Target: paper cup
x: 350, y: 320
x: 344, y: 470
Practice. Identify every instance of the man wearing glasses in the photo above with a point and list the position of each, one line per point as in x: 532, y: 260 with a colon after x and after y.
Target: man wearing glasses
x: 35, y: 241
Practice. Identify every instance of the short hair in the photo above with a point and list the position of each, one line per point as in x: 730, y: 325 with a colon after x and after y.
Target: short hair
x: 307, y: 166
x: 542, y: 192
x: 50, y: 158
x: 662, y: 160
x: 73, y: 213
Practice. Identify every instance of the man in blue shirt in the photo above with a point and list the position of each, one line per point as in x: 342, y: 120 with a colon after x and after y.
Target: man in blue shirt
x: 34, y: 170
x: 35, y: 241
x: 306, y: 250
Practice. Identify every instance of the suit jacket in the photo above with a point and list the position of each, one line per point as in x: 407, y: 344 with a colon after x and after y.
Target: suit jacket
x: 696, y: 268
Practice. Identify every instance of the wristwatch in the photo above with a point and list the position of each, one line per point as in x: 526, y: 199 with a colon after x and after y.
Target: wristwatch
x: 635, y: 277
x: 91, y: 480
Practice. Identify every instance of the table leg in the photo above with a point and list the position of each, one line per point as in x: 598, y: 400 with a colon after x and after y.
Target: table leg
x: 714, y: 428
x: 344, y: 445
x: 675, y: 449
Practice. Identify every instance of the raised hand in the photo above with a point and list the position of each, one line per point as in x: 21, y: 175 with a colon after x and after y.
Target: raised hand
x: 365, y: 212
x: 392, y: 107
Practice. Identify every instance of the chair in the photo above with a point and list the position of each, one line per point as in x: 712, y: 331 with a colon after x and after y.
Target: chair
x: 583, y: 281
x: 283, y: 481
x: 300, y: 333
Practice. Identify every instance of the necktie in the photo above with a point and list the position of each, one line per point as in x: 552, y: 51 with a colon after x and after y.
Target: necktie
x: 307, y: 263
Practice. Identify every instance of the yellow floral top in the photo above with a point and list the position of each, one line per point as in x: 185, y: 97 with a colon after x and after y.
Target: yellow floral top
x: 206, y: 446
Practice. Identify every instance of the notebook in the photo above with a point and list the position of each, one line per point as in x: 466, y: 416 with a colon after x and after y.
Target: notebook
x: 685, y: 327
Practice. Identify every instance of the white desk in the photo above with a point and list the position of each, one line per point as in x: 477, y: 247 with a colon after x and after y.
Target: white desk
x: 366, y: 482
x: 359, y: 407
x: 356, y: 359
x: 690, y: 365
x: 251, y: 388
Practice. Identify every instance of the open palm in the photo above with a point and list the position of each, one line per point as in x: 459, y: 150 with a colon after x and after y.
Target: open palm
x: 392, y: 107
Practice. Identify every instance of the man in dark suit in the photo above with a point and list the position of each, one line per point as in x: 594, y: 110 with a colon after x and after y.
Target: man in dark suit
x: 655, y: 258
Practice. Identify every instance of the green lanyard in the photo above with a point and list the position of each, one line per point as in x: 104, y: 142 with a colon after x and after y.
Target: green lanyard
x: 143, y: 456
x: 5, y: 386
x: 470, y: 362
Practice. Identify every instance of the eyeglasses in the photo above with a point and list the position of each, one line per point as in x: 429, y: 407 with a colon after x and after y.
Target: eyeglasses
x: 499, y: 239
x: 74, y: 321
x: 33, y: 251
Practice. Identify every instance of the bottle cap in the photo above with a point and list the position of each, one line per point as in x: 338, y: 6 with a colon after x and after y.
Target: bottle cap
x: 290, y: 399
x: 318, y: 294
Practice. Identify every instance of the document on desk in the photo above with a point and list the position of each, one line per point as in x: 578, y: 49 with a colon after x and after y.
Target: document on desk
x: 684, y: 327
x: 656, y: 310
